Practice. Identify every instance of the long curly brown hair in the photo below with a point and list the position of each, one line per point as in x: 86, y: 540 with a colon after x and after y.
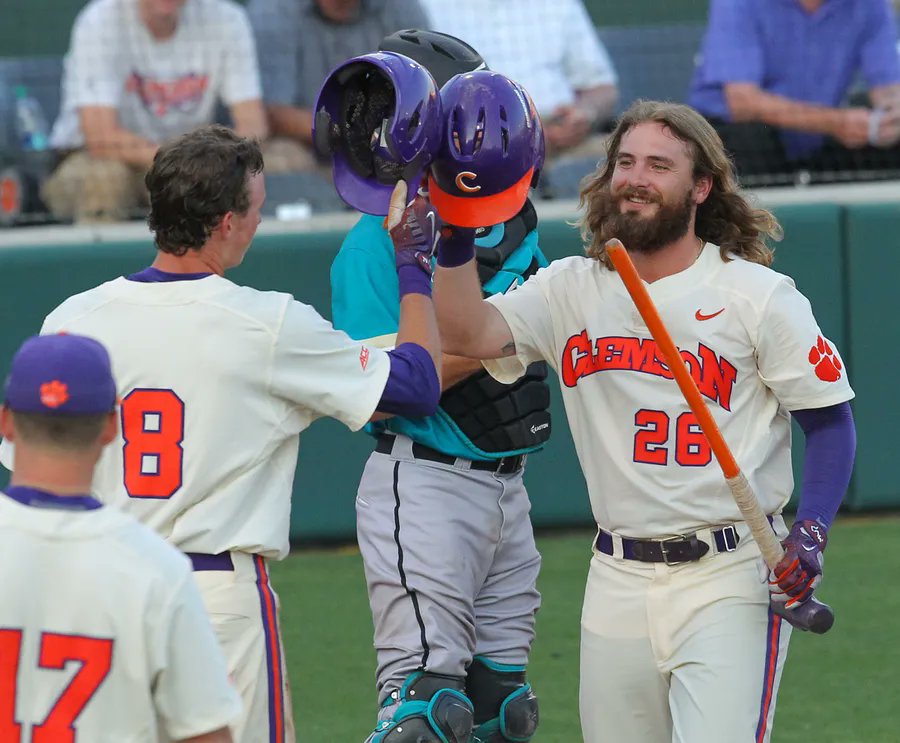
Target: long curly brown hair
x: 726, y: 218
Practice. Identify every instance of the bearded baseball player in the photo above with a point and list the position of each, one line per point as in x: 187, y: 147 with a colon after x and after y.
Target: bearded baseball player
x: 453, y: 635
x: 678, y: 639
x: 218, y: 380
x: 103, y: 636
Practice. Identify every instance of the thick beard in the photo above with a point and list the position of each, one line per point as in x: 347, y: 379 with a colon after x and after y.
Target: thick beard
x: 648, y: 235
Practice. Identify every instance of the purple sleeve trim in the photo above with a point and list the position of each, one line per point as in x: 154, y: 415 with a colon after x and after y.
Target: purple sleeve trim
x: 413, y: 280
x: 413, y: 389
x: 828, y: 462
x: 152, y: 275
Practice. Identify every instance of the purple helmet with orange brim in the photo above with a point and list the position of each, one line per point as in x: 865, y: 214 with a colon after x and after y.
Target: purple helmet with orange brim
x: 492, y: 150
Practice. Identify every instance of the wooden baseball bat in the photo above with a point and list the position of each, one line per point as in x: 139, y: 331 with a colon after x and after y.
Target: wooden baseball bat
x: 812, y: 615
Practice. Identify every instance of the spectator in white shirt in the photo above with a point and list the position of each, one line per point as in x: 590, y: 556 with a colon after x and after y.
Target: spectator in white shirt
x: 137, y: 73
x: 552, y: 49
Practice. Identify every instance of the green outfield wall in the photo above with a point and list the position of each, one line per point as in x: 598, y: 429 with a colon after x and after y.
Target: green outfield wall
x: 844, y: 258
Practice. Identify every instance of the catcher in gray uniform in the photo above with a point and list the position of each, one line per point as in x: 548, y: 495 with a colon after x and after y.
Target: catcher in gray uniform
x: 442, y: 512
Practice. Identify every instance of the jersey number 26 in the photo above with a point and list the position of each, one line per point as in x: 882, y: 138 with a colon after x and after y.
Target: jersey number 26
x: 651, y: 442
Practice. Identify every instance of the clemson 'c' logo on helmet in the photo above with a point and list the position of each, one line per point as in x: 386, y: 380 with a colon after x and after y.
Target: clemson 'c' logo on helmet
x: 467, y: 187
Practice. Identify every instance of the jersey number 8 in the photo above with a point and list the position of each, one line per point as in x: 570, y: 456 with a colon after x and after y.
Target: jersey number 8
x: 153, y: 429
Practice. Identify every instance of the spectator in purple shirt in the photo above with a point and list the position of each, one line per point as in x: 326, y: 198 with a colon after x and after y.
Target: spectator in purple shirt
x: 774, y: 77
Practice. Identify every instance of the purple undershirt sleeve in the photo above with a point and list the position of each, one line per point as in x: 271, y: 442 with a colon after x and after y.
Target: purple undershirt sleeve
x: 413, y: 389
x: 456, y: 247
x: 413, y: 280
x: 828, y: 462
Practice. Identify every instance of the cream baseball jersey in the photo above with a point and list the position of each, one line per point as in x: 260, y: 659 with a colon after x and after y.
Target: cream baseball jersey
x: 103, y: 636
x: 216, y: 381
x: 752, y: 345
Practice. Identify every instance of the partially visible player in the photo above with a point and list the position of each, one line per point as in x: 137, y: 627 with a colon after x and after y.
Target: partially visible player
x: 454, y: 633
x: 103, y: 636
x: 678, y: 640
x: 218, y: 380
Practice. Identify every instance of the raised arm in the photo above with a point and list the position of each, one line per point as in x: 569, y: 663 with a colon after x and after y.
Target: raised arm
x: 413, y: 387
x: 469, y: 325
x: 411, y: 227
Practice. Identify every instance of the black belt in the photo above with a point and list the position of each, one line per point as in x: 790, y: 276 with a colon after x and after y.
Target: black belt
x: 501, y: 466
x: 200, y: 561
x: 670, y: 551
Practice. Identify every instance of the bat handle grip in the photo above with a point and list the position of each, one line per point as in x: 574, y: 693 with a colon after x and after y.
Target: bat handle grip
x: 811, y: 616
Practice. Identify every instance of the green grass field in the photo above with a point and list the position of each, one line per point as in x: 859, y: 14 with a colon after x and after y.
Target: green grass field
x: 837, y: 688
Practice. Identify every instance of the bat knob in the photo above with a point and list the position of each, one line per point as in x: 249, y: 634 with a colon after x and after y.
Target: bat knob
x: 811, y: 616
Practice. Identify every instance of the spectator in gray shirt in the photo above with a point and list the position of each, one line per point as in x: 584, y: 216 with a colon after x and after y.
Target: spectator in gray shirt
x: 299, y: 43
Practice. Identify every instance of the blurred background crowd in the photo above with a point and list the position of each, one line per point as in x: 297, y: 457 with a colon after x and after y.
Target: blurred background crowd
x: 802, y: 91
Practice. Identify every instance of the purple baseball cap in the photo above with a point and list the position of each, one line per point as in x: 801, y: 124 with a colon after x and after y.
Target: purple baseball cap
x: 61, y: 375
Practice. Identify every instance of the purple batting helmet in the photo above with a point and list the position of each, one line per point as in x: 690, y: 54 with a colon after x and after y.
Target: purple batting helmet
x: 378, y: 116
x: 491, y: 153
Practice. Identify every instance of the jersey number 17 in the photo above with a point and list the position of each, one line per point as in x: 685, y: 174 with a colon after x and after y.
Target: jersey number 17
x: 56, y: 652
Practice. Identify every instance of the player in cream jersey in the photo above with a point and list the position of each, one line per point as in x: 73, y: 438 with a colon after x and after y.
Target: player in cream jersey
x: 102, y: 591
x: 573, y: 314
x: 217, y: 381
x: 103, y: 635
x: 679, y: 643
x: 202, y: 431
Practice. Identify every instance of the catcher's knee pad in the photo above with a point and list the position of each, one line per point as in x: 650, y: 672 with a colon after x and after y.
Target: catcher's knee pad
x: 506, y: 709
x: 428, y: 708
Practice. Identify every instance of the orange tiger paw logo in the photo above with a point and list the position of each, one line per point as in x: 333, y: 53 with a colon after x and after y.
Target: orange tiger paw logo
x: 54, y: 394
x: 823, y: 358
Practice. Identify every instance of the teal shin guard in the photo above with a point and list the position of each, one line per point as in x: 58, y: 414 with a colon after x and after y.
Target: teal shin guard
x: 428, y: 708
x: 506, y: 709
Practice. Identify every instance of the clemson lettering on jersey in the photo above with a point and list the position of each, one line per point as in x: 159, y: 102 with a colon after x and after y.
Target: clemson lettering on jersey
x: 714, y: 375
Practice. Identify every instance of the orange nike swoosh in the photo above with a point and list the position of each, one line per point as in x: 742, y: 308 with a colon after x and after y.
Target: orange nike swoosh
x: 701, y: 317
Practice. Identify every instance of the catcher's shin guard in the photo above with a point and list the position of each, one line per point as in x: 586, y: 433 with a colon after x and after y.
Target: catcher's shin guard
x: 428, y: 708
x: 506, y: 709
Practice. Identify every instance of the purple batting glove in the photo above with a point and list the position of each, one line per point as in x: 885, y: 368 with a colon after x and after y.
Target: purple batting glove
x: 413, y: 229
x: 795, y: 578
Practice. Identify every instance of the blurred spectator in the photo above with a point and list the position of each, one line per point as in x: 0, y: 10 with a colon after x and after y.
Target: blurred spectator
x: 552, y: 49
x: 300, y: 42
x: 774, y: 74
x: 137, y: 73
